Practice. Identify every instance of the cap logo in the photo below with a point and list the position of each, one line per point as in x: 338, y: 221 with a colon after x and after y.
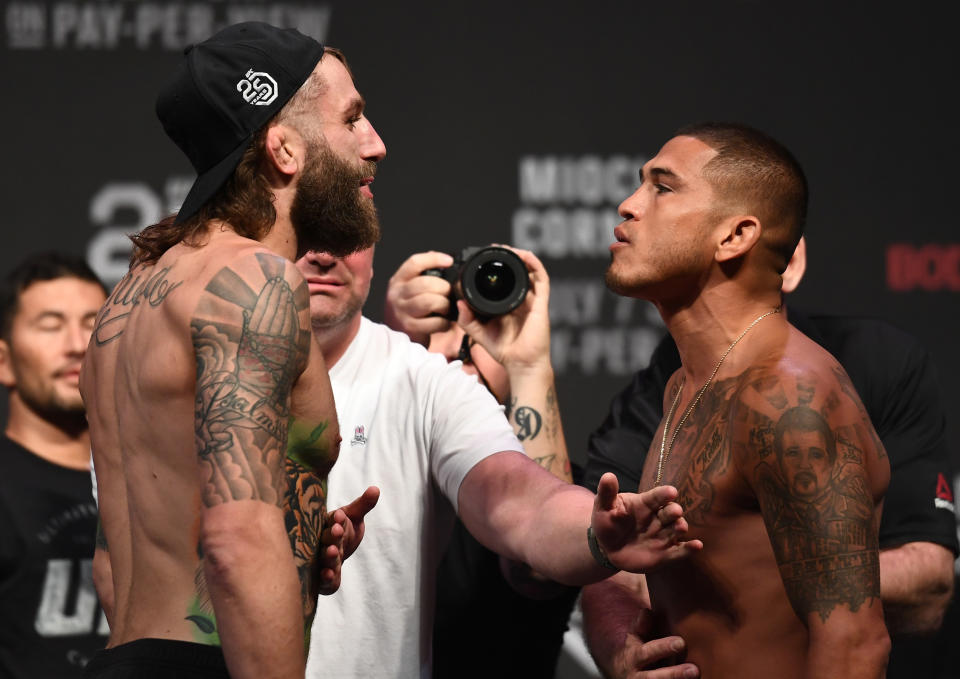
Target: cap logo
x: 258, y: 88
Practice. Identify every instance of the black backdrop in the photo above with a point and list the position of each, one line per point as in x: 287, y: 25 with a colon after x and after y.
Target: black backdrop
x: 525, y: 123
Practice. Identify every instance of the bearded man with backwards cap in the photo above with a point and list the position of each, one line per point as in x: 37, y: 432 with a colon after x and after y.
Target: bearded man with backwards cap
x: 211, y: 418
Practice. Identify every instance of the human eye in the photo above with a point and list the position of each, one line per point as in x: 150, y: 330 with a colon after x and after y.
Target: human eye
x: 662, y: 188
x: 353, y: 120
x: 49, y: 324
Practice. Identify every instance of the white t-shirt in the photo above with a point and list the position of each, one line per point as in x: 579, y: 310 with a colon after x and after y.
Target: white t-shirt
x: 414, y: 426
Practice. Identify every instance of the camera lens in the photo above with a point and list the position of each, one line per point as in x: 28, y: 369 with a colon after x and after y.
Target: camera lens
x: 495, y: 281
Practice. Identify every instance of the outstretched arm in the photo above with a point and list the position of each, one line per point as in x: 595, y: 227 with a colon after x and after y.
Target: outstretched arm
x: 522, y: 512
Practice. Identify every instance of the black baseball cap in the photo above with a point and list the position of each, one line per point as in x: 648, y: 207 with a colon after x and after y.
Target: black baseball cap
x: 224, y: 91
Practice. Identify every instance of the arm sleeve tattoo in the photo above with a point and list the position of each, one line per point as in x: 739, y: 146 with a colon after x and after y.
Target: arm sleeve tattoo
x: 803, y: 446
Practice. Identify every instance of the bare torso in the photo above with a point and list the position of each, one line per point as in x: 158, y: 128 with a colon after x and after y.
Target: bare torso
x: 168, y: 414
x: 742, y: 479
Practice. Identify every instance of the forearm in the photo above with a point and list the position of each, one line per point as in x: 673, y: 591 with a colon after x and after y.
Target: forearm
x: 534, y: 413
x: 525, y: 514
x: 249, y: 569
x: 916, y: 585
x: 610, y: 611
x: 853, y: 645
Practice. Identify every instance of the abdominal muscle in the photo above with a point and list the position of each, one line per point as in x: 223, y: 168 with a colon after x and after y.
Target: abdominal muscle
x: 729, y: 604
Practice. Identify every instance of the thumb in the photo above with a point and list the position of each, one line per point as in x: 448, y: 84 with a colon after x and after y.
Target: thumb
x: 607, y: 491
x: 357, y: 509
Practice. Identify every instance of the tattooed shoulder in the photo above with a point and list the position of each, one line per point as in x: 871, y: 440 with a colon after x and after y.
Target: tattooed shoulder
x: 250, y: 343
x: 800, y: 439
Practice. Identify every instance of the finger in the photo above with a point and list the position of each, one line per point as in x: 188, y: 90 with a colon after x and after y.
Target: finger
x: 426, y: 303
x: 357, y: 509
x: 658, y: 497
x: 420, y: 262
x: 428, y: 325
x: 670, y: 513
x: 684, y: 671
x: 683, y: 550
x: 421, y: 285
x: 607, y: 491
x: 467, y: 320
x: 656, y: 650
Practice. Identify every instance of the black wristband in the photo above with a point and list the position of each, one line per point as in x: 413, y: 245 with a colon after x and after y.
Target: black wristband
x: 597, y: 551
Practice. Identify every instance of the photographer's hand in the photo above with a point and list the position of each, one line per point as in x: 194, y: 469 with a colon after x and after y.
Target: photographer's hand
x: 415, y: 304
x: 520, y: 340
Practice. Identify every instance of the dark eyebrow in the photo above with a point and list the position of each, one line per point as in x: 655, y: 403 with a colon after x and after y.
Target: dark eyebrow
x: 662, y: 172
x: 356, y: 106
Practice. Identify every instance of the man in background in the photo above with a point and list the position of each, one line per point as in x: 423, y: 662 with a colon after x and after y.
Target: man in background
x: 437, y: 443
x: 483, y: 600
x: 50, y: 621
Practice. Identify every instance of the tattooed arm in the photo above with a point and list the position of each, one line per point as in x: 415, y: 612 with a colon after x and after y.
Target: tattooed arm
x: 806, y: 447
x: 251, y: 339
x: 520, y: 342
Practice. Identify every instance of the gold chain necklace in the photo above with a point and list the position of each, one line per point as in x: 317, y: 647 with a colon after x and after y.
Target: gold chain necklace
x: 664, y: 448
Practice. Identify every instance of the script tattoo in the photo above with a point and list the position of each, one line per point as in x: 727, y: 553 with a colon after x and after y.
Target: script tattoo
x: 136, y: 287
x: 528, y: 422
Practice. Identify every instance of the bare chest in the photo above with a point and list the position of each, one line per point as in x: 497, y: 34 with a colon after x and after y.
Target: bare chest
x: 697, y: 460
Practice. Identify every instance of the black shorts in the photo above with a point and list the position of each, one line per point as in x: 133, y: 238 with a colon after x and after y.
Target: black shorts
x: 158, y: 659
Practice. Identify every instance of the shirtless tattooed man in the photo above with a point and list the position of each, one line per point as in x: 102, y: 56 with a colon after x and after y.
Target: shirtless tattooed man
x: 777, y: 465
x: 211, y: 415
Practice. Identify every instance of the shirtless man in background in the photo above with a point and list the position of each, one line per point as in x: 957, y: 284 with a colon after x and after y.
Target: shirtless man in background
x: 777, y: 465
x: 211, y: 416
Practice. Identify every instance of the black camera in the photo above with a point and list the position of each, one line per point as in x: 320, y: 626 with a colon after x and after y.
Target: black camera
x: 493, y: 281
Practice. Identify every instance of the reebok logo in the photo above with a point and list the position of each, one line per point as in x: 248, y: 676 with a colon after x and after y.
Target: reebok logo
x: 258, y: 88
x: 944, y: 498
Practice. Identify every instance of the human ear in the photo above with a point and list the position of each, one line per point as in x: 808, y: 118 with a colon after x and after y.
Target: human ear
x: 738, y: 236
x: 284, y: 149
x: 6, y: 369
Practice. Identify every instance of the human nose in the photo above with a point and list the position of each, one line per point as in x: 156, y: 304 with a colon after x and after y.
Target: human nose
x: 373, y: 147
x: 78, y: 336
x: 318, y: 258
x: 632, y: 206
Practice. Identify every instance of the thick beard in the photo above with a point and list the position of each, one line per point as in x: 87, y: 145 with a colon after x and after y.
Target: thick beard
x: 66, y: 414
x: 328, y: 212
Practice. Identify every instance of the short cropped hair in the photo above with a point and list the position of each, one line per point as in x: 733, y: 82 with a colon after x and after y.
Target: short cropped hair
x: 753, y: 171
x: 42, y: 266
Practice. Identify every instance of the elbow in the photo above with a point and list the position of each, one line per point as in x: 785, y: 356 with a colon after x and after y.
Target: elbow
x: 235, y: 541
x: 924, y: 616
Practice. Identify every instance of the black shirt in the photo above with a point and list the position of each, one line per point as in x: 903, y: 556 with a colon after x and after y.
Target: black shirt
x: 50, y: 620
x: 894, y: 378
